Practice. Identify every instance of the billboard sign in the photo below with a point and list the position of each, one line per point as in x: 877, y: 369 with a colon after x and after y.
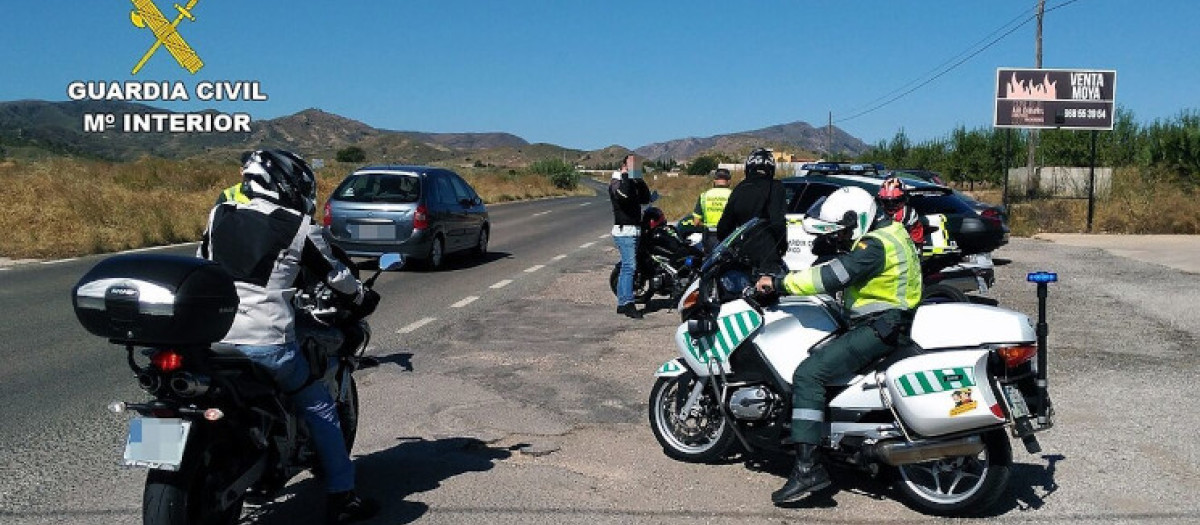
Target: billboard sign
x: 1055, y: 98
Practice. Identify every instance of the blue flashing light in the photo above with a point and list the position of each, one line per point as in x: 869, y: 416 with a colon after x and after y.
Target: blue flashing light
x: 1042, y: 277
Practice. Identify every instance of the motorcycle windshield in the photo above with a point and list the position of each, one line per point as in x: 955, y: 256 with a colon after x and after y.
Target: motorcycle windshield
x: 739, y: 236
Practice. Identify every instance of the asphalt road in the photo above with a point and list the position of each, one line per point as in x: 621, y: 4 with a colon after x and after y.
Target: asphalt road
x: 527, y: 404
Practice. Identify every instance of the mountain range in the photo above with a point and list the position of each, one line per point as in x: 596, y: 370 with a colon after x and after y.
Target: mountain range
x: 35, y: 127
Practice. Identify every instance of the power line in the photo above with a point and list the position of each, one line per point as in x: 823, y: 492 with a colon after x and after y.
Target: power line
x: 938, y: 67
x: 956, y: 64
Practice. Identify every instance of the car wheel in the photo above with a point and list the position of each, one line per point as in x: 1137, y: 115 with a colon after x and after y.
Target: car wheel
x: 481, y: 246
x: 437, y: 253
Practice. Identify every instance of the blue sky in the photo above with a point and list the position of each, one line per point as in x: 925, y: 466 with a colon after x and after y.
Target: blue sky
x: 587, y: 74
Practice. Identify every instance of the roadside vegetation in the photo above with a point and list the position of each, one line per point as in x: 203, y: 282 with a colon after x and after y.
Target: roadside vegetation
x: 64, y: 206
x: 1155, y: 181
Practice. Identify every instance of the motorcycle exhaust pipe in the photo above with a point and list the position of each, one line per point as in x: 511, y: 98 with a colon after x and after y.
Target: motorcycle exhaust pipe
x: 188, y: 385
x: 896, y: 454
x: 148, y: 381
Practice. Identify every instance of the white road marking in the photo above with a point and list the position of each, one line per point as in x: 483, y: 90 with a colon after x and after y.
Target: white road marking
x: 152, y: 248
x: 587, y: 245
x: 538, y: 214
x: 584, y: 204
x: 465, y: 302
x: 60, y: 261
x: 604, y: 236
x: 501, y: 284
x: 413, y: 327
x: 559, y: 257
x: 5, y: 269
x: 534, y: 268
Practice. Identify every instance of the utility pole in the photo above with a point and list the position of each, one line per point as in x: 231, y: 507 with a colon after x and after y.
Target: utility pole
x: 1035, y: 182
x: 829, y: 138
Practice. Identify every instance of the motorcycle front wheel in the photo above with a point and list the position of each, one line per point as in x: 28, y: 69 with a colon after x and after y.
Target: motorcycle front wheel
x: 191, y: 495
x: 961, y: 486
x: 701, y: 436
x: 348, y: 415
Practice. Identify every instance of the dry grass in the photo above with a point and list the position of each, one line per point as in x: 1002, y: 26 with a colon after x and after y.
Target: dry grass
x: 1140, y: 203
x: 67, y: 207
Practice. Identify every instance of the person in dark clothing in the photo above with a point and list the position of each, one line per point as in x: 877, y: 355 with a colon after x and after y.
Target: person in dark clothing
x: 628, y: 192
x: 760, y: 195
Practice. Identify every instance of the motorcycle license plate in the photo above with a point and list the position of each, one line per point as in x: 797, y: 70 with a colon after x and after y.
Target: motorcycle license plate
x: 156, y: 442
x: 1016, y: 400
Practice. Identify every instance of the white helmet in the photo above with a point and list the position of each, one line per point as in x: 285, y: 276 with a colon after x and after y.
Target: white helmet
x: 848, y: 207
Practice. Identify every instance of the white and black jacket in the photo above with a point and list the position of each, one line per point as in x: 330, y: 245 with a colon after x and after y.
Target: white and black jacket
x: 264, y: 246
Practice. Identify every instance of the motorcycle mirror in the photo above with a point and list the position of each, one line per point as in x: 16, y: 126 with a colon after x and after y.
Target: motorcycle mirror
x: 391, y: 262
x: 702, y: 327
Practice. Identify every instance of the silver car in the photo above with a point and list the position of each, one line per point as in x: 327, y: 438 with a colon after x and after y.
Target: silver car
x: 419, y: 211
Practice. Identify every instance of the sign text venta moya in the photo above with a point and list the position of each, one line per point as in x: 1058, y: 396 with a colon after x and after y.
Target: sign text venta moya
x: 1055, y: 98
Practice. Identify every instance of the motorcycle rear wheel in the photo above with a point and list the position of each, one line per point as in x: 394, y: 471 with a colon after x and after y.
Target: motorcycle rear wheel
x: 705, y: 436
x: 943, y: 293
x: 962, y: 486
x: 188, y: 496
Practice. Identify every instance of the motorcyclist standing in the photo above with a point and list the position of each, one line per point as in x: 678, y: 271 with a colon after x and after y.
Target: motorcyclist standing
x: 760, y: 195
x: 628, y: 192
x: 880, y: 276
x: 264, y: 244
x: 710, y: 205
x: 894, y: 200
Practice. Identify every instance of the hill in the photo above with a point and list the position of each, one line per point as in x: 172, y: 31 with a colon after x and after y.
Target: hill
x: 798, y: 137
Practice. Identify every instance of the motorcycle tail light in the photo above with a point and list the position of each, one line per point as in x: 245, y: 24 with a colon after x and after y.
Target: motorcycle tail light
x: 167, y: 360
x: 691, y: 299
x: 1014, y: 356
x: 213, y: 414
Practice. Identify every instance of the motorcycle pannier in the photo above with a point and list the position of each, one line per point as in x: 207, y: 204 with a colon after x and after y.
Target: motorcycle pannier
x: 156, y: 300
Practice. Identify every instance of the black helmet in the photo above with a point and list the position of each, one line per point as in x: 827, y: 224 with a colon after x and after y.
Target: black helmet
x: 281, y: 177
x: 652, y: 218
x: 761, y: 161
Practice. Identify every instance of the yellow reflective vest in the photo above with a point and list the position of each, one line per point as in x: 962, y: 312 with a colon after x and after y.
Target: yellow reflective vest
x: 899, y: 284
x: 711, y: 205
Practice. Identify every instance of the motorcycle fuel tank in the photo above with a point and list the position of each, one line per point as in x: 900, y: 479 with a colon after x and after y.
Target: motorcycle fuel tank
x: 941, y: 393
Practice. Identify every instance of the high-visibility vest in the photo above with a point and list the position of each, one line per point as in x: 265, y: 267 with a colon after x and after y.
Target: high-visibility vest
x: 899, y: 285
x: 712, y: 203
x: 234, y: 194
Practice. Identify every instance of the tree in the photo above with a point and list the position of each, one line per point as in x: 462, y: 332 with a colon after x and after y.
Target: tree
x: 351, y: 154
x: 702, y: 165
x: 560, y: 172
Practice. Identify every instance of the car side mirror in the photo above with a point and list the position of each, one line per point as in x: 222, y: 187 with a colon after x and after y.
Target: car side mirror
x: 477, y: 201
x: 391, y: 262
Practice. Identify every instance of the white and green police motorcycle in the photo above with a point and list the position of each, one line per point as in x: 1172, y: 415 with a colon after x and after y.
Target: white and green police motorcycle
x: 935, y: 414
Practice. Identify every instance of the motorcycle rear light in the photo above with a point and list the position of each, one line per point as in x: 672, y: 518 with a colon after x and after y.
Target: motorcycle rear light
x: 421, y: 218
x: 167, y: 360
x: 213, y: 414
x: 326, y: 216
x: 1014, y: 356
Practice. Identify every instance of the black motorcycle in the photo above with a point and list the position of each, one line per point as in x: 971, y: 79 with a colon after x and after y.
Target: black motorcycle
x: 217, y: 429
x: 666, y: 262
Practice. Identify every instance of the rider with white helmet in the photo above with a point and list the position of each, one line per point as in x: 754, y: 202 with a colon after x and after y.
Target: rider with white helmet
x: 879, y: 273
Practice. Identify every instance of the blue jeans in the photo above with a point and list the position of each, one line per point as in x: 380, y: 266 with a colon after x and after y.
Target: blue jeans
x: 290, y: 371
x: 628, y: 248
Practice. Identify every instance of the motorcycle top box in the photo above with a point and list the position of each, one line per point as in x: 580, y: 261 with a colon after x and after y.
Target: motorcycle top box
x: 151, y: 299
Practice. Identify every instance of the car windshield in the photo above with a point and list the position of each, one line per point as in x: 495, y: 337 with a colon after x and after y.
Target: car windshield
x: 379, y: 187
x: 949, y: 204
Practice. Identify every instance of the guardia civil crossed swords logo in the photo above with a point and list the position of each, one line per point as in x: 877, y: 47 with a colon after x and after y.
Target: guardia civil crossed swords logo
x: 147, y: 15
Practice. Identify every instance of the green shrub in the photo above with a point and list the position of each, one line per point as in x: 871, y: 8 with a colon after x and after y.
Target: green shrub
x: 560, y: 172
x: 351, y: 154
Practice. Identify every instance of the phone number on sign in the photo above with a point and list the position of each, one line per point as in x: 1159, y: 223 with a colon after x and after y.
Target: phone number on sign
x: 1086, y: 113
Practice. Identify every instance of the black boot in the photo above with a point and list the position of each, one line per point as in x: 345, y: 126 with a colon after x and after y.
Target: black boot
x: 629, y: 310
x: 346, y: 507
x: 807, y: 476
